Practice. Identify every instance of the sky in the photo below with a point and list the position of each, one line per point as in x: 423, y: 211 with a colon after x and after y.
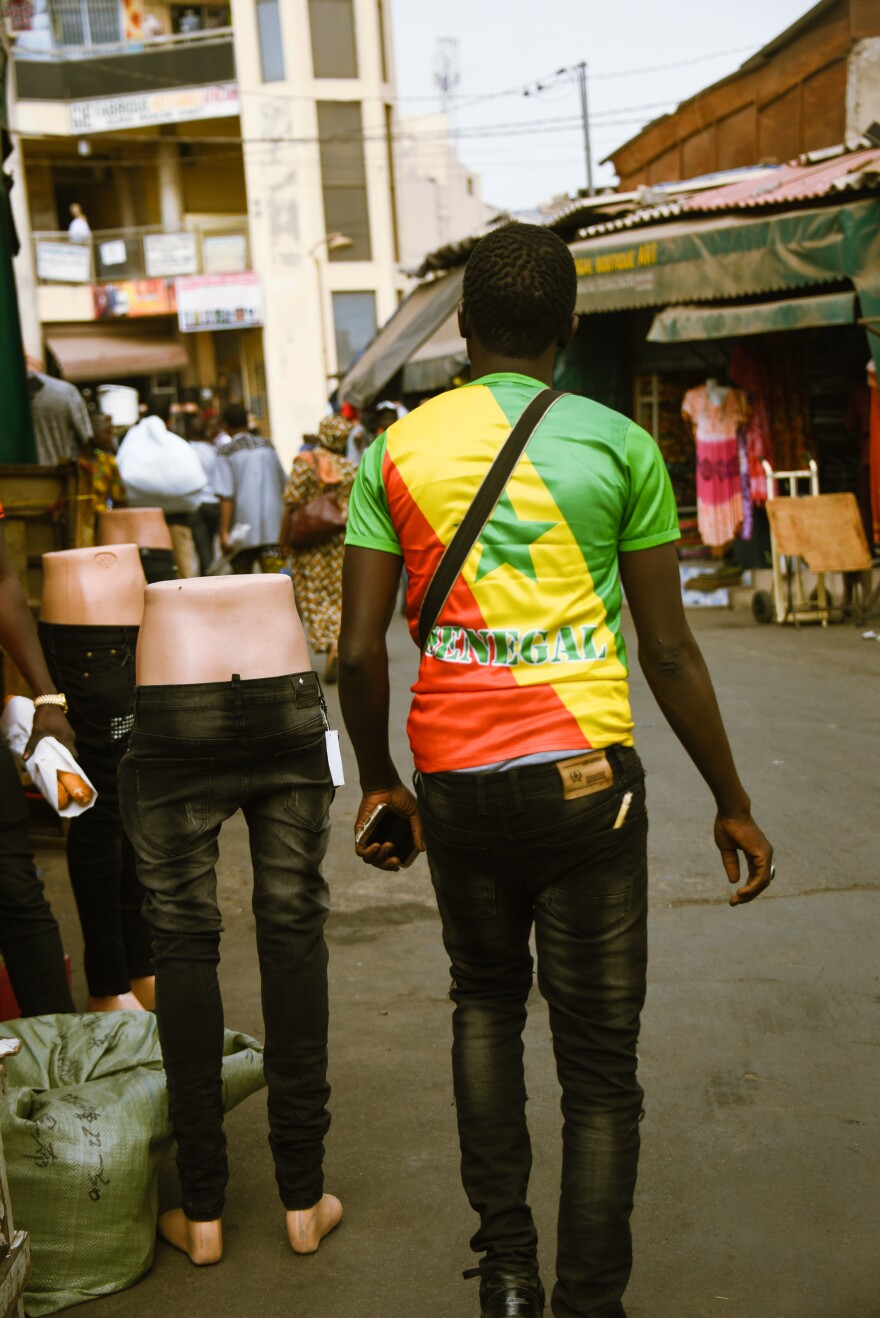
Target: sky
x: 643, y: 58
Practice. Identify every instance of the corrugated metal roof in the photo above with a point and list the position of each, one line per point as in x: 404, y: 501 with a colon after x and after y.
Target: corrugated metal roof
x: 794, y: 182
x: 801, y: 180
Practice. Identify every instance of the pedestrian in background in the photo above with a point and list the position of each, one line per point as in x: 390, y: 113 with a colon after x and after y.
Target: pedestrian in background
x: 317, y: 569
x: 249, y: 483
x: 531, y: 796
x: 78, y: 230
x: 160, y: 471
x: 206, y: 518
x: 62, y: 430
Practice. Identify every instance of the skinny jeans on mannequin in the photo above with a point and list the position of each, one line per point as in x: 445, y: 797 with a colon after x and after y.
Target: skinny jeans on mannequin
x: 198, y: 753
x: 94, y: 667
x: 507, y: 852
x: 29, y: 939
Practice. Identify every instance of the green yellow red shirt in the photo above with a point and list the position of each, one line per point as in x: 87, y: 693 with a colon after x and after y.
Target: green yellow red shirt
x: 527, y: 654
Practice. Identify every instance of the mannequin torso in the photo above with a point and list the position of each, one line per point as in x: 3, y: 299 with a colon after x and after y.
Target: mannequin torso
x: 144, y: 527
x: 93, y: 587
x: 207, y: 628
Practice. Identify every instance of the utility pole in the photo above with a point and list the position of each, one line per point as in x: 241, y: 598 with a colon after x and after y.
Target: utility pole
x: 581, y: 71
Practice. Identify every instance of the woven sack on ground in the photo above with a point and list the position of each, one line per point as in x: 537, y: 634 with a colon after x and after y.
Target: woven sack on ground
x: 85, y: 1128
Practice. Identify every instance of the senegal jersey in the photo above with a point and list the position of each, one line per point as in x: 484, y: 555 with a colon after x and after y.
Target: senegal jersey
x: 527, y: 654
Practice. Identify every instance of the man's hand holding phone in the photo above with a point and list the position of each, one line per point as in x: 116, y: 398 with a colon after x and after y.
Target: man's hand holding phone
x: 388, y: 830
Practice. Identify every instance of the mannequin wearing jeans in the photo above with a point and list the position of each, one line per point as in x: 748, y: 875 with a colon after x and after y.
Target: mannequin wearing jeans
x: 146, y: 528
x: 228, y: 716
x: 89, y: 617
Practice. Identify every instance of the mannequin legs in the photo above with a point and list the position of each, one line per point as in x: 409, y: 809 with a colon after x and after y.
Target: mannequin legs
x: 258, y: 745
x: 95, y: 667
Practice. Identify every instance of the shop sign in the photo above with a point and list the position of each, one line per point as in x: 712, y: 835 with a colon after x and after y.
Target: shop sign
x: 224, y: 253
x: 113, y: 252
x: 130, y: 298
x: 217, y: 302
x: 170, y: 254
x: 64, y: 263
x: 141, y: 109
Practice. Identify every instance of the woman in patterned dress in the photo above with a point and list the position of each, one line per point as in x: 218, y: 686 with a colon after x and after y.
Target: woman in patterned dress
x: 317, y: 572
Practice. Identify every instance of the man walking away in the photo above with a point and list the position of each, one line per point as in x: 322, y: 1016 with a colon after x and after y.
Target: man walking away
x: 531, y: 798
x: 249, y: 482
x: 62, y: 429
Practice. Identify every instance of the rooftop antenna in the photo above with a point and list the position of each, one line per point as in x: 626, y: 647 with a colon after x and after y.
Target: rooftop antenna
x: 447, y: 73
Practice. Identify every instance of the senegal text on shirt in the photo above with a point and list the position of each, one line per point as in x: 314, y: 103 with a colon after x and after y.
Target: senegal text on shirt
x: 505, y: 648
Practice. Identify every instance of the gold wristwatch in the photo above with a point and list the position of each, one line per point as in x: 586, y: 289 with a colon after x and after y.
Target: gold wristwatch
x: 59, y: 699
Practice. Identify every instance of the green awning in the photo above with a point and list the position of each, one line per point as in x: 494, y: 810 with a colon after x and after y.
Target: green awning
x: 685, y: 324
x: 703, y: 259
x: 414, y: 321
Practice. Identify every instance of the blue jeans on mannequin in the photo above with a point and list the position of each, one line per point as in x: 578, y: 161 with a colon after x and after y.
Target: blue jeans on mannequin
x: 197, y: 754
x: 508, y: 852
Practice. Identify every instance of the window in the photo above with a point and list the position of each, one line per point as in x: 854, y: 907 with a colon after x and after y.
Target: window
x: 334, y: 53
x: 269, y: 34
x: 344, y: 177
x: 85, y: 22
x: 354, y: 317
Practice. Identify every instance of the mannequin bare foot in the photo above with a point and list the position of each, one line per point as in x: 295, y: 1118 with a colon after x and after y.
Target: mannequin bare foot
x: 331, y: 671
x: 144, y: 989
x: 201, y: 1241
x: 306, y: 1227
x: 117, y: 1002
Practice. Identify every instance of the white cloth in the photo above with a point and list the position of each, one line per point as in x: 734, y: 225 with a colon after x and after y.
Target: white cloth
x: 78, y: 230
x: 159, y: 469
x: 50, y: 756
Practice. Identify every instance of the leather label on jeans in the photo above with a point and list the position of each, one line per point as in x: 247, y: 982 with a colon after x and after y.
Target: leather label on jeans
x: 585, y: 774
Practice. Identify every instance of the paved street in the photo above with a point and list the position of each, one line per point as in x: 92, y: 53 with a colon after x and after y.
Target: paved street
x: 757, y: 1195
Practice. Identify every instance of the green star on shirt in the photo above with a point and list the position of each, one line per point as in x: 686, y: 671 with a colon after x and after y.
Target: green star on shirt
x: 506, y: 539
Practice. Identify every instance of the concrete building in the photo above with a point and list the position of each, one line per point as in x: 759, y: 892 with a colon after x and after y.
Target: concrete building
x: 814, y: 86
x: 235, y: 165
x: 440, y: 199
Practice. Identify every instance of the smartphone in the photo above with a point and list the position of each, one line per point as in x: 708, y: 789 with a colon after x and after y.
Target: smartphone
x: 386, y: 825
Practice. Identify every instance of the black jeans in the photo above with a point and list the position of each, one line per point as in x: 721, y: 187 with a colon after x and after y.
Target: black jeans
x: 206, y: 526
x: 94, y: 667
x: 199, y: 753
x: 506, y: 852
x: 158, y: 565
x: 29, y: 939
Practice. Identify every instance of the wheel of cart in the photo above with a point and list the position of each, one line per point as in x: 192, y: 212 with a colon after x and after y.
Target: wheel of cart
x: 808, y: 530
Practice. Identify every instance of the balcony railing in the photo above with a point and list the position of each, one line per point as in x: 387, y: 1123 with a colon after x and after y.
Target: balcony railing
x: 74, y: 73
x: 149, y: 252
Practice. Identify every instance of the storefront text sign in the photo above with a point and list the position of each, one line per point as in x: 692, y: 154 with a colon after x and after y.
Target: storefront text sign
x: 64, y: 263
x: 143, y: 108
x: 170, y: 254
x: 216, y: 302
x: 130, y: 298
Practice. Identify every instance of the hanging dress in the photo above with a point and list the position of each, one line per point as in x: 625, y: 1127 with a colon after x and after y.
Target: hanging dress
x: 715, y: 422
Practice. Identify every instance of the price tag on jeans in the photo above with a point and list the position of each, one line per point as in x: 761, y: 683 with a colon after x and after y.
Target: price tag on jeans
x: 334, y: 758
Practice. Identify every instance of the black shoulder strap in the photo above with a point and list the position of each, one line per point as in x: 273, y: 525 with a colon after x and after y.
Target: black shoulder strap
x: 471, y: 526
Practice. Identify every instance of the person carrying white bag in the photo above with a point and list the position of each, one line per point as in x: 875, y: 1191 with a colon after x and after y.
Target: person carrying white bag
x: 160, y: 470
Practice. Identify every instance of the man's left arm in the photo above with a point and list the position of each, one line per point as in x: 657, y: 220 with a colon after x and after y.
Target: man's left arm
x: 370, y: 581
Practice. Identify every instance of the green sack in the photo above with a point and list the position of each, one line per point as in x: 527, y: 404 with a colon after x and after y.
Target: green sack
x: 85, y: 1127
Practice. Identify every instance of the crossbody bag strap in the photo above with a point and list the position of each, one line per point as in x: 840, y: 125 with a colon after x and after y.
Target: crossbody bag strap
x: 485, y: 501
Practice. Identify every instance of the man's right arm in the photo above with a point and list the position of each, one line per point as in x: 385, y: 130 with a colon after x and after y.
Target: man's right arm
x: 677, y: 675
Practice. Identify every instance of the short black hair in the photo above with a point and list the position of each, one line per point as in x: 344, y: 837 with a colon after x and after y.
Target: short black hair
x: 160, y: 405
x: 520, y: 288
x: 235, y: 415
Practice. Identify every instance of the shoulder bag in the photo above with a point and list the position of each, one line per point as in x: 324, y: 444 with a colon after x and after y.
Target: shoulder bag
x: 314, y: 522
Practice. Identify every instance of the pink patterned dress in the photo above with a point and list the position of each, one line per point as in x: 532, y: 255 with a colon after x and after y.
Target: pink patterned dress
x: 715, y: 421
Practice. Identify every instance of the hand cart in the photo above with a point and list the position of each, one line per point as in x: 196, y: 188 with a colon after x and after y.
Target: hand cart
x: 822, y: 532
